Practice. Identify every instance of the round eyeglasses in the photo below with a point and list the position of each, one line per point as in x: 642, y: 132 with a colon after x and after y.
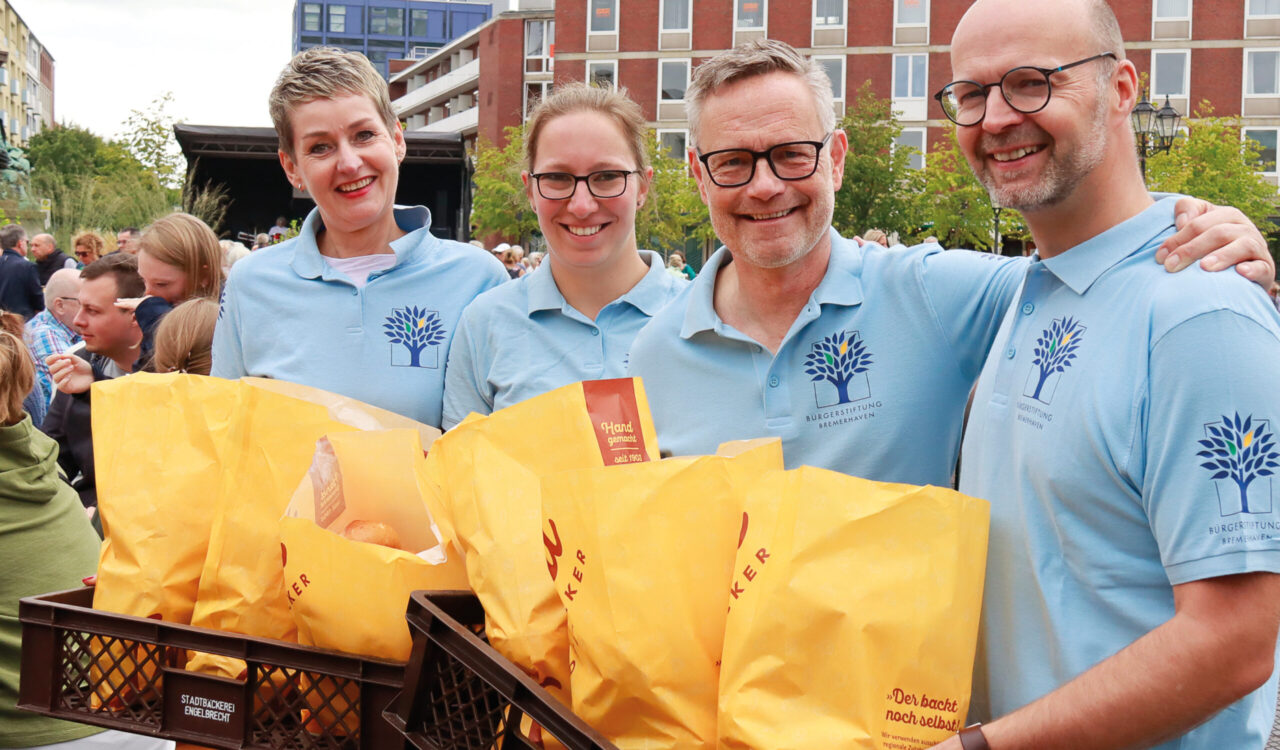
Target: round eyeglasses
x: 1026, y: 89
x: 734, y: 167
x: 605, y: 183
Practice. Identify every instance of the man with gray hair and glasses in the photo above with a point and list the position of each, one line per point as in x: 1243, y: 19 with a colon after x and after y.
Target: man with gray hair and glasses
x: 859, y: 358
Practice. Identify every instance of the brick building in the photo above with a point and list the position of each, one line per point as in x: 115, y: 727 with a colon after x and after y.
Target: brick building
x: 1224, y: 51
x: 481, y: 82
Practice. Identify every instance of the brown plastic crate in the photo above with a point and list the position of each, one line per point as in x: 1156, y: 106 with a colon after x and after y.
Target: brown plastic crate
x: 63, y: 638
x: 460, y: 694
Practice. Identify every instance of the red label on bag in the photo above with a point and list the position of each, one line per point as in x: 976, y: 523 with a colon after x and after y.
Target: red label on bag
x: 615, y: 417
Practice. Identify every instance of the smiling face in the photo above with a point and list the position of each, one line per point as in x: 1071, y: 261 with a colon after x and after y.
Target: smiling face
x: 163, y: 280
x: 1032, y: 162
x: 347, y: 160
x: 769, y: 223
x: 583, y: 230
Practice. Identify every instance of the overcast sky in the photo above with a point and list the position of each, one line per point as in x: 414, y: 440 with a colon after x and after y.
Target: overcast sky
x: 218, y: 57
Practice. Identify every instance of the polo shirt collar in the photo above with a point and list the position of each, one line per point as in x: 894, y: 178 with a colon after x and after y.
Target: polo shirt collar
x: 307, y: 262
x: 648, y: 295
x: 1083, y: 264
x: 840, y: 285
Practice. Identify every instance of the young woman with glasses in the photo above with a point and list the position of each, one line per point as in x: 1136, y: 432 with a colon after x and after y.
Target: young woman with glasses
x: 574, y: 317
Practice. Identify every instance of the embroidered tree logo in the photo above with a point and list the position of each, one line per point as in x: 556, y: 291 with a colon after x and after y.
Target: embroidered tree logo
x: 836, y: 359
x: 1240, y: 451
x: 1055, y: 349
x: 415, y: 328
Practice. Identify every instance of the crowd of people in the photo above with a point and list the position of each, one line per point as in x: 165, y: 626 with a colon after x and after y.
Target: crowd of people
x: 1129, y: 601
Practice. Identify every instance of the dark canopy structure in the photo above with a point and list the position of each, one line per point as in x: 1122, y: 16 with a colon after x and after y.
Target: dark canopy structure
x: 436, y: 173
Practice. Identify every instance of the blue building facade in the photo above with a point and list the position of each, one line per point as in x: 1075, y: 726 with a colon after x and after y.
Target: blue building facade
x: 384, y: 29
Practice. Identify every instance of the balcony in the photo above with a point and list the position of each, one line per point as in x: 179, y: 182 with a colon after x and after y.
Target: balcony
x: 451, y: 84
x: 464, y: 122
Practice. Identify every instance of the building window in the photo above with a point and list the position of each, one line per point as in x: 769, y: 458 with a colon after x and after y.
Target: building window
x: 418, y: 23
x: 1262, y: 72
x: 749, y: 14
x: 1169, y: 73
x: 834, y: 68
x: 910, y: 74
x: 539, y: 46
x: 1172, y: 10
x: 673, y: 79
x: 337, y: 19
x: 387, y: 21
x: 827, y: 13
x: 311, y: 16
x: 534, y: 93
x: 1264, y: 8
x: 676, y: 15
x: 911, y: 12
x: 379, y: 52
x: 604, y: 16
x: 603, y: 73
x: 912, y: 138
x: 1266, y: 140
x: 673, y: 143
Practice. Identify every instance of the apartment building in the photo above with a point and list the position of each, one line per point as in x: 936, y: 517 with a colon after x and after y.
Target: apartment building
x: 26, y: 79
x: 481, y: 82
x: 1223, y: 51
x: 385, y: 29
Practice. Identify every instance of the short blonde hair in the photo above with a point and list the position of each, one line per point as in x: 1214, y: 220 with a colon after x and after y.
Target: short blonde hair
x: 325, y: 73
x: 756, y: 58
x: 17, y: 371
x: 184, y: 338
x: 580, y: 97
x: 91, y: 240
x: 183, y: 241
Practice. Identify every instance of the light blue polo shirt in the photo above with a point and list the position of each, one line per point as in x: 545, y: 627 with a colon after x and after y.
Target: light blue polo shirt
x: 287, y: 314
x: 871, y: 380
x: 1123, y: 430
x: 523, y: 339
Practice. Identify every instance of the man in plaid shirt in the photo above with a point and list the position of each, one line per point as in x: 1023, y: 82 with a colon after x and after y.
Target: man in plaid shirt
x: 50, y: 331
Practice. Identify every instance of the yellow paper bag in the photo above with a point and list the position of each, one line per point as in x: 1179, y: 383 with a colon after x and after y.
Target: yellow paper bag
x: 329, y: 577
x: 641, y: 557
x: 359, y: 477
x: 488, y: 471
x: 853, y: 616
x: 242, y: 586
x: 159, y: 445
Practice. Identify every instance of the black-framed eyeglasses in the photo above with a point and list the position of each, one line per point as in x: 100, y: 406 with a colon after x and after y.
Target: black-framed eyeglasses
x: 604, y: 183
x: 1026, y: 89
x: 734, y: 167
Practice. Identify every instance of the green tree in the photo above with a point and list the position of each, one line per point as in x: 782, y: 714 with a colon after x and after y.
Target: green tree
x: 1215, y: 163
x: 880, y: 187
x: 148, y: 136
x: 673, y: 212
x: 954, y: 207
x: 208, y: 202
x: 92, y: 183
x: 498, y: 204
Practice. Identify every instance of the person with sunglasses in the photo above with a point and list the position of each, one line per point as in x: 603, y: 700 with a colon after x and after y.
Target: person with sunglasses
x: 860, y: 358
x: 573, y: 317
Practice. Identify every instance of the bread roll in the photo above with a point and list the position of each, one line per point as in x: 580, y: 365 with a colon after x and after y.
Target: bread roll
x: 372, y: 532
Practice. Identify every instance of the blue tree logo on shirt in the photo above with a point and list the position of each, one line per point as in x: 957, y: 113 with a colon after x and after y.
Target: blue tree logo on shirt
x: 1053, y: 352
x: 1241, y: 451
x: 838, y: 359
x: 416, y: 329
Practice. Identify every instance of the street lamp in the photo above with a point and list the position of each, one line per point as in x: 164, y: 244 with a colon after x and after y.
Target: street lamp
x: 1155, y: 129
